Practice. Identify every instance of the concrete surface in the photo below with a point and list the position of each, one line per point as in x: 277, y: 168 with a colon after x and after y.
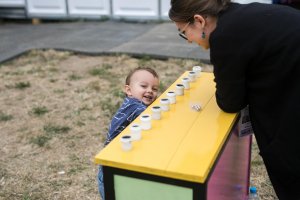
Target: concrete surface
x: 154, y: 39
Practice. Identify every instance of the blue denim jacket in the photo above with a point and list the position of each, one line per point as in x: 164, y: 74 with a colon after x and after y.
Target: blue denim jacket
x: 129, y: 110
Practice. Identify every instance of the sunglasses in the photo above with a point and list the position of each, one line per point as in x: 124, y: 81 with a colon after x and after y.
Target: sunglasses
x: 182, y: 33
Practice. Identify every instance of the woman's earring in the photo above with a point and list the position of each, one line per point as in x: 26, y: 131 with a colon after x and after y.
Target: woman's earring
x: 203, y: 35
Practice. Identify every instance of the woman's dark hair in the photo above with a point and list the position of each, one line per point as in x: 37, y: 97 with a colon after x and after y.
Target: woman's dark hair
x: 148, y: 69
x: 184, y: 10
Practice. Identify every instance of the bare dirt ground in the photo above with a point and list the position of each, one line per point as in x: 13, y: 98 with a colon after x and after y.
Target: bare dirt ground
x: 55, y: 108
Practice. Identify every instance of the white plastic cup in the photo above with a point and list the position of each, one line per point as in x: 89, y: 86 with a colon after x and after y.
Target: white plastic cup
x: 192, y: 76
x: 197, y: 70
x: 179, y: 89
x: 135, y: 131
x: 126, y: 142
x: 172, y: 97
x: 186, y: 83
x: 165, y: 104
x: 146, y: 122
x: 156, y: 112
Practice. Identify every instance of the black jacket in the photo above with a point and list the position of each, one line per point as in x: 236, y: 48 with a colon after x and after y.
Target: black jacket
x: 255, y: 50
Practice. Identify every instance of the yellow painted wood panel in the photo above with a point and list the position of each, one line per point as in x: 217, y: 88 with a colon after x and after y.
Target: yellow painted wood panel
x: 197, y: 153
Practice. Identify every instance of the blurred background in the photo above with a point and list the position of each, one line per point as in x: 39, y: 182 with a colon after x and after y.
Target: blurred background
x: 92, y: 9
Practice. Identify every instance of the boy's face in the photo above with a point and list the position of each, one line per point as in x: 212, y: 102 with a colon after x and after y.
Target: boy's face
x: 143, y: 86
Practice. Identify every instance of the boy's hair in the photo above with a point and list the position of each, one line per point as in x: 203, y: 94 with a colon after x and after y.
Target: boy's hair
x: 150, y: 70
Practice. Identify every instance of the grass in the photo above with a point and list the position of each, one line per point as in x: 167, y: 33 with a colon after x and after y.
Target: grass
x: 74, y: 77
x: 5, y: 117
x: 50, y: 131
x: 102, y: 71
x: 94, y: 85
x: 116, y: 92
x: 162, y: 86
x: 144, y: 60
x: 22, y: 85
x: 98, y: 72
x: 39, y: 111
x: 109, y: 106
x: 40, y: 140
x: 26, y: 196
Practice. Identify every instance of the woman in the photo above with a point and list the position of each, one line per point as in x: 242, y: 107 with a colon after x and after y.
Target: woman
x: 255, y: 51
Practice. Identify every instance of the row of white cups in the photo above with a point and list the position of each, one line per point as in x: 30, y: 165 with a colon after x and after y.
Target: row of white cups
x: 136, y: 129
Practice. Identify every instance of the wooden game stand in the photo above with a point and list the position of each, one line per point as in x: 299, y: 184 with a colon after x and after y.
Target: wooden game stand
x: 186, y: 155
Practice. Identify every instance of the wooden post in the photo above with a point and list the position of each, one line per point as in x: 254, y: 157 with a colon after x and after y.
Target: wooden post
x: 35, y: 21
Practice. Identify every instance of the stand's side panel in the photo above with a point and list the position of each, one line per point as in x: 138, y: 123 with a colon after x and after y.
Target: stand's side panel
x: 230, y: 177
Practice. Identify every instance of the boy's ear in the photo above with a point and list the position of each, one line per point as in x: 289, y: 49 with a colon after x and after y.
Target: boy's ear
x: 127, y: 90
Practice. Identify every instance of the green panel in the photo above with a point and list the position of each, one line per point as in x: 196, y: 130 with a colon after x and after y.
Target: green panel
x: 127, y: 188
